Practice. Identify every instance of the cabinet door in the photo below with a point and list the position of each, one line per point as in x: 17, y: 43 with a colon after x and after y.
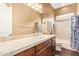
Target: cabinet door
x: 42, y: 45
x: 45, y: 51
x: 28, y: 52
x: 53, y: 46
x: 49, y: 50
x: 42, y: 52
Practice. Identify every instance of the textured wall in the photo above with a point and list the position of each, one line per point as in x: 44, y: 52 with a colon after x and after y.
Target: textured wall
x: 66, y: 9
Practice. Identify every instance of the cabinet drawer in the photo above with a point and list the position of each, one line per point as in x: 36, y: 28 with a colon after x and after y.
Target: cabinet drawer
x: 28, y: 52
x: 42, y: 45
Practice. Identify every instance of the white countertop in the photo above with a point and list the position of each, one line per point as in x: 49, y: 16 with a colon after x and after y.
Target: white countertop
x: 10, y: 48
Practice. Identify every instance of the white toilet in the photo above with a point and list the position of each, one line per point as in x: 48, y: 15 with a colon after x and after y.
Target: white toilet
x: 58, y: 45
x: 63, y: 43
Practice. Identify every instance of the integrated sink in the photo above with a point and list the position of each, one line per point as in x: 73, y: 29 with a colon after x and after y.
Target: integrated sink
x: 13, y: 46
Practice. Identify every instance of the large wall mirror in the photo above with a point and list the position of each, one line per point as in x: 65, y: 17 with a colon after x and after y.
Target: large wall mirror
x: 47, y: 24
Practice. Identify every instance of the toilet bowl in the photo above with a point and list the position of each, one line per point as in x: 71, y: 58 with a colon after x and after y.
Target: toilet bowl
x: 64, y: 44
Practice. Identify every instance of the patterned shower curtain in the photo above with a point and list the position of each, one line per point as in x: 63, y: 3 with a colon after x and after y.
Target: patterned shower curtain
x: 75, y: 32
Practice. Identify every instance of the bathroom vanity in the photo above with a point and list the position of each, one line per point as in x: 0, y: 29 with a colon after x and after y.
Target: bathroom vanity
x: 43, y: 45
x: 46, y: 48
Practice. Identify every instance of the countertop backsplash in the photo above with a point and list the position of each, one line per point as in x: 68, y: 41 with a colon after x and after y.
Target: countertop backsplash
x: 14, y: 37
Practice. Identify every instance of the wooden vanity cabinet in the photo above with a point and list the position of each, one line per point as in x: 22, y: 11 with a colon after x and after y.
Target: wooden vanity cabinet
x: 27, y: 52
x: 53, y: 46
x: 46, y: 48
x: 46, y: 51
x: 42, y: 52
x: 49, y: 50
x: 42, y: 45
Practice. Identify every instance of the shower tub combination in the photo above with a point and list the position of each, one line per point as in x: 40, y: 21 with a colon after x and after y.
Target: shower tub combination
x: 63, y: 32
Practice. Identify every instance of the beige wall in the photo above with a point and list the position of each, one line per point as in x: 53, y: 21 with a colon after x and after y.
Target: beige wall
x: 48, y: 9
x: 78, y: 8
x: 23, y: 19
x: 66, y: 9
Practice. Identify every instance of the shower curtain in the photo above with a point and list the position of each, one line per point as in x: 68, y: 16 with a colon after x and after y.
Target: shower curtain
x: 75, y: 32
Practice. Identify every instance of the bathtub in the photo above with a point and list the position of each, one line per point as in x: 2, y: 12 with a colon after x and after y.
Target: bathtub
x: 65, y: 44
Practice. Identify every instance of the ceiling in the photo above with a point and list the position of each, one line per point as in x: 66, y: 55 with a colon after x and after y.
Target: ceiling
x: 58, y: 5
x: 35, y: 6
x: 38, y: 7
